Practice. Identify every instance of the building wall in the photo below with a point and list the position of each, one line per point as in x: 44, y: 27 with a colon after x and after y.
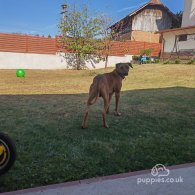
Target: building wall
x: 152, y: 20
x: 12, y: 60
x: 145, y: 36
x: 189, y: 13
x: 122, y: 36
x: 169, y: 38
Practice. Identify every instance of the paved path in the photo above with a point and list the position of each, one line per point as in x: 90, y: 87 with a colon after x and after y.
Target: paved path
x: 124, y: 184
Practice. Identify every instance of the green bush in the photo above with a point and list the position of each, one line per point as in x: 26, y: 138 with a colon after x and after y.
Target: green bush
x: 135, y: 58
x: 147, y: 52
x: 191, y: 62
x: 178, y: 61
x: 157, y: 61
x: 166, y: 62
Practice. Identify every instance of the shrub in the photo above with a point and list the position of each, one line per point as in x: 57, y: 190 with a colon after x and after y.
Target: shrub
x: 191, y: 62
x: 178, y: 61
x: 135, y: 58
x: 147, y: 52
x: 157, y: 61
x: 167, y: 62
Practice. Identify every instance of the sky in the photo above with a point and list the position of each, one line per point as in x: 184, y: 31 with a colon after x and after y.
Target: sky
x: 42, y: 16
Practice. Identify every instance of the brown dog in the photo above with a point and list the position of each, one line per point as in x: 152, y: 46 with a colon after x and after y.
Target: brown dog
x: 104, y: 86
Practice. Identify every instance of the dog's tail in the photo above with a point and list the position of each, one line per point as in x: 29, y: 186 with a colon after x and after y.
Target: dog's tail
x: 93, y: 92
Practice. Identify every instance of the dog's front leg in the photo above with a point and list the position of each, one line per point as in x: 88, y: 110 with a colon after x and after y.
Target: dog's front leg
x: 106, y: 105
x: 117, y: 97
x: 110, y: 98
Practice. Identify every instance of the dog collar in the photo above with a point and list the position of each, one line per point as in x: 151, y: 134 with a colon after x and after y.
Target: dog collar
x: 121, y: 75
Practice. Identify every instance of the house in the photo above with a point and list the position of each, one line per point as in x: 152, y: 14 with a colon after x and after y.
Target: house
x: 180, y: 42
x: 142, y: 24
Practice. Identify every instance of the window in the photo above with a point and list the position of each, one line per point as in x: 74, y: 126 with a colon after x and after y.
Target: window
x: 183, y: 37
x: 191, y: 37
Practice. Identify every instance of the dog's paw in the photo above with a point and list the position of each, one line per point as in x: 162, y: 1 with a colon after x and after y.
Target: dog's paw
x: 117, y: 114
x: 84, y: 127
x: 106, y: 126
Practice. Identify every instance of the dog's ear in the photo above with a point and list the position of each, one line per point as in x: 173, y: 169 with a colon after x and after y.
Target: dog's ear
x: 118, y: 65
x: 130, y: 65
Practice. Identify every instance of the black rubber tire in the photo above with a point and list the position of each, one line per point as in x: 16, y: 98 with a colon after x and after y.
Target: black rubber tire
x: 11, y: 151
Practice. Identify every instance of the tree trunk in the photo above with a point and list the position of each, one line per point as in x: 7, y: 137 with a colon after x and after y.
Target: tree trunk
x: 106, y: 63
x: 78, y: 64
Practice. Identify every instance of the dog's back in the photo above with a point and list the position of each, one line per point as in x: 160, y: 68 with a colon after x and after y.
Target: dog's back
x: 99, y: 82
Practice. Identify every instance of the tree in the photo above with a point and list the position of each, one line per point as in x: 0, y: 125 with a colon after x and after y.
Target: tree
x: 178, y: 20
x: 82, y: 34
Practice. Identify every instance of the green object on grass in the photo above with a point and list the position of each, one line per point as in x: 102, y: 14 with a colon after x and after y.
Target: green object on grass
x: 20, y: 73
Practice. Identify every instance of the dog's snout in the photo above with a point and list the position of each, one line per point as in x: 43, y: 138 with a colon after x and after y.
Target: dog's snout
x: 126, y: 73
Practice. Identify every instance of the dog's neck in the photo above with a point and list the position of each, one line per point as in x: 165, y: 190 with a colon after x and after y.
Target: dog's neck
x: 118, y: 74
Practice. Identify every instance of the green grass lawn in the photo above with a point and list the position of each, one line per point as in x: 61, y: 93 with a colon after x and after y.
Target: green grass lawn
x: 43, y: 113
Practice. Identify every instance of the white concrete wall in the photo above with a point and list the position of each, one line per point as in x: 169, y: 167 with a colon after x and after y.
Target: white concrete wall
x: 10, y: 60
x: 170, y: 40
x: 189, y: 13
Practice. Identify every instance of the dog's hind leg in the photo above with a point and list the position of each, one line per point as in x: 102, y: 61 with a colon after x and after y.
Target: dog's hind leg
x: 110, y: 98
x: 92, y: 99
x: 93, y: 96
x: 85, y: 119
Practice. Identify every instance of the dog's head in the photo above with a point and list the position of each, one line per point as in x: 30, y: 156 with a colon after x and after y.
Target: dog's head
x: 123, y: 69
